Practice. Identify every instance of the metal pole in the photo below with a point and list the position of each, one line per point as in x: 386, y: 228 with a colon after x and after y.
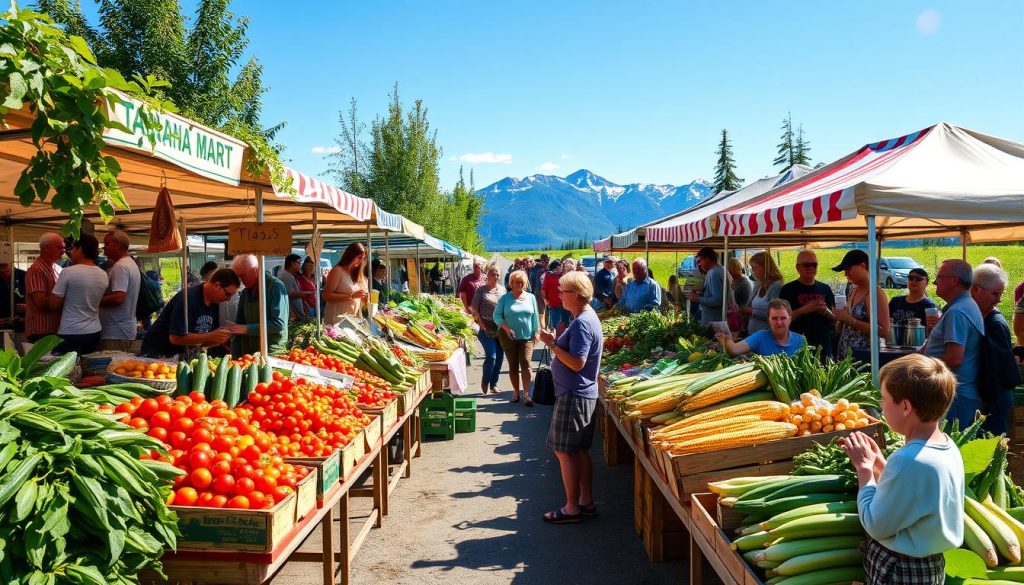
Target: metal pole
x: 871, y: 297
x: 419, y: 285
x: 647, y: 253
x: 963, y: 243
x: 261, y: 288
x: 725, y: 277
x: 184, y: 271
x: 317, y: 277
x: 369, y: 281
x: 387, y: 261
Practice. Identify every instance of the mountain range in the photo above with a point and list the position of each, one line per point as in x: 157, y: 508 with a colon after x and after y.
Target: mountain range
x: 543, y: 211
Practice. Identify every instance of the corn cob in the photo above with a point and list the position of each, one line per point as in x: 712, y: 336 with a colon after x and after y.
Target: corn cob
x: 767, y: 410
x: 759, y: 432
x: 655, y: 405
x: 726, y: 389
x: 704, y: 429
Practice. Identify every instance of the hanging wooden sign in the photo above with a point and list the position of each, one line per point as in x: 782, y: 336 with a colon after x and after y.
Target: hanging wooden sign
x: 262, y: 239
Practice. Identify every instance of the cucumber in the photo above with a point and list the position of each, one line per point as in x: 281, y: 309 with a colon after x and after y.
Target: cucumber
x: 220, y: 380
x: 815, y: 484
x: 62, y: 366
x: 200, y: 373
x: 234, y: 389
x: 184, y: 378
x: 266, y: 372
x: 250, y: 378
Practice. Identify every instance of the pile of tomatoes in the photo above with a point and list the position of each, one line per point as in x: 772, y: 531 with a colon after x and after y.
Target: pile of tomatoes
x: 229, y: 461
x: 311, y: 357
x: 371, y: 396
x: 306, y: 419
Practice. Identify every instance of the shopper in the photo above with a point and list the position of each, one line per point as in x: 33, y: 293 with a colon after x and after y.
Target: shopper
x: 769, y: 286
x: 517, y: 317
x: 621, y: 279
x: 855, y: 319
x: 556, y: 315
x: 604, y: 284
x: 117, y: 307
x: 812, y: 303
x: 289, y: 278
x: 380, y: 284
x: 247, y: 322
x: 485, y: 301
x: 306, y: 279
x: 742, y: 288
x: 911, y: 506
x: 673, y: 297
x: 207, y: 269
x: 471, y: 282
x: 999, y: 373
x: 346, y: 287
x: 77, y: 295
x: 577, y: 359
x: 914, y: 304
x: 536, y: 274
x: 775, y: 340
x: 12, y: 316
x: 955, y: 337
x: 711, y: 294
x: 170, y: 335
x: 40, y: 279
x: 643, y: 292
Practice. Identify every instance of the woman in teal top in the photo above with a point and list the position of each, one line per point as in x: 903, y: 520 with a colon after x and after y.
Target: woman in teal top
x: 519, y: 324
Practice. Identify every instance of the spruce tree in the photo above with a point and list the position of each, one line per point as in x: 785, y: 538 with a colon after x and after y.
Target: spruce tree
x: 785, y: 157
x: 725, y: 168
x: 802, y: 148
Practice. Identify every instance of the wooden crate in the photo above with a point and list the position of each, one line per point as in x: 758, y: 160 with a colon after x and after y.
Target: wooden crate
x: 690, y: 473
x: 372, y: 433
x: 1016, y: 447
x: 663, y: 533
x: 727, y: 563
x: 352, y: 453
x: 405, y: 400
x: 234, y: 530
x: 388, y: 416
x: 328, y: 471
x: 305, y: 494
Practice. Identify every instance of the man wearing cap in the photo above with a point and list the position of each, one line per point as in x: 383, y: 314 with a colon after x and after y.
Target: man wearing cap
x: 812, y: 303
x: 915, y: 303
x: 604, y: 284
x: 955, y: 337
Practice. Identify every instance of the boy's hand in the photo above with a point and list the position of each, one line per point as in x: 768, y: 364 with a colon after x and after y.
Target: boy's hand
x: 858, y: 448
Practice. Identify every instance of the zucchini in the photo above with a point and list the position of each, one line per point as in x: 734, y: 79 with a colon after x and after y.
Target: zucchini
x: 785, y: 504
x: 234, y: 388
x: 220, y: 380
x: 819, y: 525
x: 200, y: 373
x: 786, y: 550
x: 763, y: 489
x: 184, y: 378
x: 266, y: 372
x: 250, y: 378
x: 820, y: 560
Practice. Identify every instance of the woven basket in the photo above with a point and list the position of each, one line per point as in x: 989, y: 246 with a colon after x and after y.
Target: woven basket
x: 161, y: 385
x: 96, y: 363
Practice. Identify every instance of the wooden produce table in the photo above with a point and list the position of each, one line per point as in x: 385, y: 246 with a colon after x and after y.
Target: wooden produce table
x: 255, y: 569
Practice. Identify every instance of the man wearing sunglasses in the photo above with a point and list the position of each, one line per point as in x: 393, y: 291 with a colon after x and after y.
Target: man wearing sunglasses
x: 170, y: 336
x: 812, y: 303
x: 914, y: 304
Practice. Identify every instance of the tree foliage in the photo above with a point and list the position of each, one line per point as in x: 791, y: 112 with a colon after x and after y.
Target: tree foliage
x: 57, y: 76
x: 802, y: 148
x: 793, y: 148
x: 399, y: 169
x: 725, y: 167
x: 152, y: 37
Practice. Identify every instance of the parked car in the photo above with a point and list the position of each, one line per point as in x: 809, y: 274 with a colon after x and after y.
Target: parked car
x: 688, y: 268
x: 892, y: 272
x: 589, y: 264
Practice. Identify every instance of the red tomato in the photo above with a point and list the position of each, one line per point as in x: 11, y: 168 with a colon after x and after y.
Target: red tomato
x: 201, y: 478
x: 224, y: 484
x: 258, y: 500
x: 183, y: 424
x: 160, y: 419
x: 240, y: 502
x: 180, y: 440
x: 198, y: 459
x: 158, y: 433
x: 125, y: 408
x: 201, y: 435
x: 185, y: 496
x: 218, y: 501
x: 147, y: 408
x: 138, y: 423
x: 220, y: 468
x: 266, y: 484
x: 280, y: 493
x: 205, y: 499
x: 244, y: 485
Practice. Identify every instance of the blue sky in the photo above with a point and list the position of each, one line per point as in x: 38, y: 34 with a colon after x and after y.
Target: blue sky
x: 639, y: 91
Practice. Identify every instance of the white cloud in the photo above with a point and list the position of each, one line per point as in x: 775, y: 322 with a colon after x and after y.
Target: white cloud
x: 928, y: 22
x: 325, y: 149
x: 566, y: 157
x: 549, y: 167
x: 486, y: 158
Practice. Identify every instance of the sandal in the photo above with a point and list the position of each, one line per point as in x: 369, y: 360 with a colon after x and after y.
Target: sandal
x: 529, y: 402
x: 494, y: 389
x: 590, y: 510
x: 560, y: 517
x: 515, y: 397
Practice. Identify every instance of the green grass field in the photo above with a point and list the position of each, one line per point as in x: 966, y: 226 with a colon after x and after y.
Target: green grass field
x: 663, y: 264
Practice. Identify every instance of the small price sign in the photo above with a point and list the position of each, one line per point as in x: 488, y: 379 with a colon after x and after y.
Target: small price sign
x: 262, y: 239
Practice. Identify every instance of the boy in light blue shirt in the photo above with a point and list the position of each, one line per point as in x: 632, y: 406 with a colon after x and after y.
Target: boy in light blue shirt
x: 911, y: 506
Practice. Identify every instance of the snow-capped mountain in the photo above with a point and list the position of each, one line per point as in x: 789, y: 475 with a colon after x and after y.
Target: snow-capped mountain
x: 544, y: 210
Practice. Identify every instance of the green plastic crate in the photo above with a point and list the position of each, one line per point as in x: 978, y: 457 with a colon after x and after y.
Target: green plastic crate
x: 465, y: 404
x: 465, y: 421
x: 438, y: 428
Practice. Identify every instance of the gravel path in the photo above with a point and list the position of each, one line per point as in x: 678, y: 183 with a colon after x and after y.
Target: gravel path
x: 471, y: 513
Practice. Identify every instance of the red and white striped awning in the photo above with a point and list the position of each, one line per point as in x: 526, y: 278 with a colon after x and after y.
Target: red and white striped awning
x: 310, y: 190
x: 604, y: 245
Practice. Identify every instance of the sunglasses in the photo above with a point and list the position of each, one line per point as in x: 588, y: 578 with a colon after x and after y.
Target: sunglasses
x: 917, y: 278
x: 808, y: 264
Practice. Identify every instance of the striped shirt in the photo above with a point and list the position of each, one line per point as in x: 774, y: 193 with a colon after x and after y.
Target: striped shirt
x: 41, y: 277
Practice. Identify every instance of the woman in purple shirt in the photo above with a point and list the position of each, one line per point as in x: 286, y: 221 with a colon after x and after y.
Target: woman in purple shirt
x: 577, y: 359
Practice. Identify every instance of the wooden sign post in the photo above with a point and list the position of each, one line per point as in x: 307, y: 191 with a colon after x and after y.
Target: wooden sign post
x: 262, y: 239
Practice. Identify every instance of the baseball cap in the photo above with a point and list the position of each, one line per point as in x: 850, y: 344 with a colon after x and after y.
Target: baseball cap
x: 852, y: 258
x: 919, y: 272
x: 608, y: 258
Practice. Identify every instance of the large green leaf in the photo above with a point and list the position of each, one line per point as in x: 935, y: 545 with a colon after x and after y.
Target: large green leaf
x: 977, y: 455
x: 964, y: 564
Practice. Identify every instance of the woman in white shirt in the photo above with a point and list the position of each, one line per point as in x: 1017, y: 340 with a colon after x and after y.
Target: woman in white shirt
x: 77, y: 296
x: 346, y: 286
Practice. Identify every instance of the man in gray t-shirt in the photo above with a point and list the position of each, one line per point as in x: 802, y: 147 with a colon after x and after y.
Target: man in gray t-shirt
x: 712, y: 294
x: 292, y: 264
x: 117, y: 307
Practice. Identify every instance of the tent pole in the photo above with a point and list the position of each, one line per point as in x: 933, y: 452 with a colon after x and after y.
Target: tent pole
x: 261, y: 288
x: 647, y: 253
x: 369, y: 266
x: 725, y: 276
x: 870, y: 297
x: 387, y: 260
x: 316, y: 277
x: 184, y: 270
x: 963, y: 243
x: 419, y: 287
